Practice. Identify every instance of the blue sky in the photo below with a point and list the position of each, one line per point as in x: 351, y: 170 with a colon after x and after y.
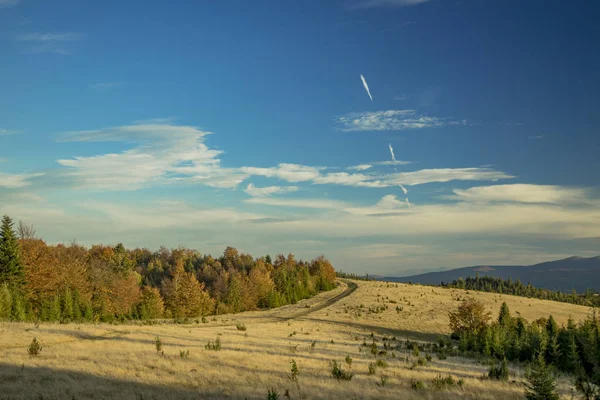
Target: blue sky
x: 246, y: 123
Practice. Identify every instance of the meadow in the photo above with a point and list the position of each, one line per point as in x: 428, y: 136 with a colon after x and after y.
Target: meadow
x: 246, y: 355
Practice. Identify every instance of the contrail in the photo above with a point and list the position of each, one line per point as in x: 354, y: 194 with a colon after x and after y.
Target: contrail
x: 401, y: 187
x: 364, y: 81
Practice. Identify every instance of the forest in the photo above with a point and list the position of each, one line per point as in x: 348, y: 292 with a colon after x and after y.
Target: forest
x: 74, y: 283
x: 543, y: 344
x: 498, y: 285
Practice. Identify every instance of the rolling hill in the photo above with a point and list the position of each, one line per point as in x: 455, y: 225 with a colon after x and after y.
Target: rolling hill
x: 577, y: 273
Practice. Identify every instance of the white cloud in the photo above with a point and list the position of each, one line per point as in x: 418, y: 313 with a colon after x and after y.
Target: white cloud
x: 391, y: 120
x: 522, y: 193
x: 360, y: 167
x: 6, y: 132
x: 162, y: 154
x: 509, y: 219
x: 324, y: 204
x: 444, y: 175
x: 388, y: 205
x: 286, y: 172
x: 318, y: 176
x: 12, y: 181
x: 346, y: 179
x: 392, y: 162
x: 269, y: 190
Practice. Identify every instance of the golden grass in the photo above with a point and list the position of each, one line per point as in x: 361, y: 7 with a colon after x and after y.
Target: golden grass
x: 121, y: 362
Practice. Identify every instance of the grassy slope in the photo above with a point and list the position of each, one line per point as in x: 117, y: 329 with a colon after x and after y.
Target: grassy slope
x: 107, y: 361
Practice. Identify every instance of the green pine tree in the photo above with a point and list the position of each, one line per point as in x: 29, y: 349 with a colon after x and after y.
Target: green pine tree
x: 67, y: 311
x: 11, y: 269
x: 5, y: 302
x: 541, y: 383
x: 18, y: 311
x: 54, y: 311
x: 504, y: 317
x: 77, y: 315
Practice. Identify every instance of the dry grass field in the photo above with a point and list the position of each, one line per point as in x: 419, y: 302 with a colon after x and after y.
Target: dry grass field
x: 121, y: 361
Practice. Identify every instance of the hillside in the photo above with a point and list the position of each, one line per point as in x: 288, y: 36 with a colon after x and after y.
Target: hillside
x: 82, y: 361
x: 577, y: 273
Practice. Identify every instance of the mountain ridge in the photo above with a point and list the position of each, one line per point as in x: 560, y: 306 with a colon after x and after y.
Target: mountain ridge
x: 579, y: 273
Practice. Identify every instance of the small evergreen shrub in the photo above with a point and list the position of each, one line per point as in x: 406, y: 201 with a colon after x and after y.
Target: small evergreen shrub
x: 158, y: 344
x: 184, y: 353
x: 339, y: 373
x: 294, y: 371
x: 272, y: 394
x: 240, y: 327
x: 499, y: 372
x: 35, y: 348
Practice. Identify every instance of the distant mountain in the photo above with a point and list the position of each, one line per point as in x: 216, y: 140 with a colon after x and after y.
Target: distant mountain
x: 577, y: 273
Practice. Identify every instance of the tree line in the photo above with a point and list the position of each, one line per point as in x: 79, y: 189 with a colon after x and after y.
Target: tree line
x: 573, y: 348
x: 39, y: 282
x: 499, y: 285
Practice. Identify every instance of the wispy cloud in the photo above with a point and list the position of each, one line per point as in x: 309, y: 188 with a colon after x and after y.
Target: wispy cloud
x: 522, y: 193
x: 162, y: 153
x: 286, y: 172
x: 323, y: 204
x: 385, y: 3
x: 13, y: 181
x: 8, y: 3
x: 320, y: 176
x: 391, y: 120
x: 346, y: 179
x: 269, y: 190
x: 6, y: 132
x: 439, y: 175
x: 400, y: 98
x: 538, y: 137
x: 58, y: 43
x: 366, y: 86
x: 360, y: 167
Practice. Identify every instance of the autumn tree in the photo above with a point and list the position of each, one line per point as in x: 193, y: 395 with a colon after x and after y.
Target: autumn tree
x: 322, y: 269
x: 11, y: 268
x: 260, y: 284
x: 185, y: 296
x: 470, y: 317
